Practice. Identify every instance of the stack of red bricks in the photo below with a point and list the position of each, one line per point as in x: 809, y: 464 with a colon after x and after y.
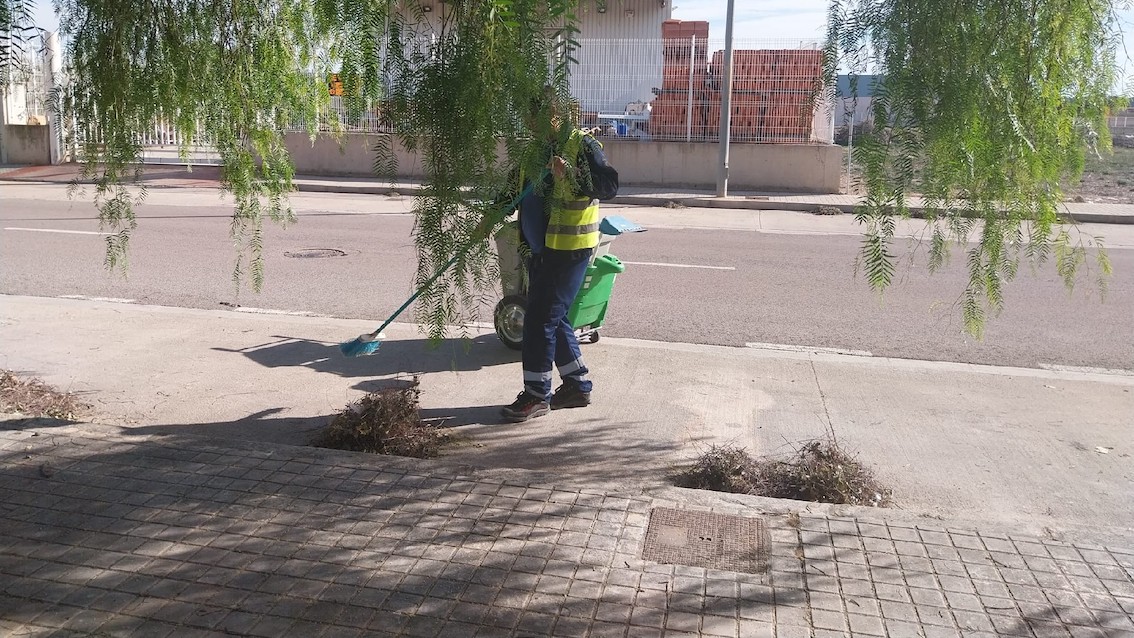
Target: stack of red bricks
x: 773, y: 93
x: 684, y: 55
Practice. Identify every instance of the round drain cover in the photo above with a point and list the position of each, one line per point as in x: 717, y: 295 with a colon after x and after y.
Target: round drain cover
x: 315, y: 253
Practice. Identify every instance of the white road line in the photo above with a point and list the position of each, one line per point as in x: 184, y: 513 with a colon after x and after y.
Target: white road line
x: 57, y: 230
x: 86, y: 298
x: 654, y: 263
x: 272, y: 311
x: 790, y: 348
x: 1055, y: 367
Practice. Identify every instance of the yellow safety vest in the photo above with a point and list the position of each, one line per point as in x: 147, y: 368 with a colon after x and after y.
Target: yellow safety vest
x: 574, y: 221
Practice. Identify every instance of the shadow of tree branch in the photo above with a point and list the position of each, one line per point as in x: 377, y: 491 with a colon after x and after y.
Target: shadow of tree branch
x: 171, y: 534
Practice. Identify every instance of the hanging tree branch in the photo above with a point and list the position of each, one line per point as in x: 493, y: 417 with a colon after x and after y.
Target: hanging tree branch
x: 16, y: 35
x: 984, y: 108
x: 239, y: 74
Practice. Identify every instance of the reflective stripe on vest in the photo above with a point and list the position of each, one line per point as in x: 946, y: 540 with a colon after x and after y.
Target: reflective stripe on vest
x: 574, y: 222
x: 572, y: 230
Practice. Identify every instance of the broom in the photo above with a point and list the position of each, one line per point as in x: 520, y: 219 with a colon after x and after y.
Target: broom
x: 369, y: 343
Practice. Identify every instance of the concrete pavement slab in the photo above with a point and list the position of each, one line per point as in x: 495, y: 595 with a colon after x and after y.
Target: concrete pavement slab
x: 1030, y: 449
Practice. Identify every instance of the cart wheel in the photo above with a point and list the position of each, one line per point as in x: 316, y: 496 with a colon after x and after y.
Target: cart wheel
x: 509, y: 320
x: 594, y: 337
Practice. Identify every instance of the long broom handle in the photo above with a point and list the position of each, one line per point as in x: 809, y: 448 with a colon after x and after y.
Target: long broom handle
x: 449, y: 264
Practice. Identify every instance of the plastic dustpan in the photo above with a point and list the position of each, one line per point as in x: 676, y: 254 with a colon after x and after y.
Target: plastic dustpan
x: 615, y: 225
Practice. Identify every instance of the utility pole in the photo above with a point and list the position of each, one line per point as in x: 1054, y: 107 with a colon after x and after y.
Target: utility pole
x: 54, y: 74
x: 726, y: 104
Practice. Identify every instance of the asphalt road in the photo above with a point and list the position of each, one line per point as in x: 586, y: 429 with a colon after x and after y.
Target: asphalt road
x: 701, y: 285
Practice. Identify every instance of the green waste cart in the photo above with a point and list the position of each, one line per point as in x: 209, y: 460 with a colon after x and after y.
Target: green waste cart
x: 588, y: 311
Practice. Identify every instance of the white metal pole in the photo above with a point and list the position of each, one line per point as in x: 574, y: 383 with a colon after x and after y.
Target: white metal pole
x: 726, y: 104
x: 54, y: 73
x: 3, y: 123
x: 689, y: 106
x: 832, y: 106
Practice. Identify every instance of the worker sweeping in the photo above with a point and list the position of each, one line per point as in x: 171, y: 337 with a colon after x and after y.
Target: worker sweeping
x: 559, y: 223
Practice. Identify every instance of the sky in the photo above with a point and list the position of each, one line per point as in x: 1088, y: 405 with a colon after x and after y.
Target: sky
x: 759, y: 18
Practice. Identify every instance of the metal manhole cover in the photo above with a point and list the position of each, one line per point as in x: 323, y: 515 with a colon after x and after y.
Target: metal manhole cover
x: 315, y: 253
x: 703, y: 539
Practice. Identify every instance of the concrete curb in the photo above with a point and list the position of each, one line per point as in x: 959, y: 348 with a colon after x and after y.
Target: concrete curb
x: 363, y: 187
x: 917, y: 212
x: 733, y: 203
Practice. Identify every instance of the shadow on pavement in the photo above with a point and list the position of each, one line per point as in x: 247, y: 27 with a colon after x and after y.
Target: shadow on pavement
x: 463, y: 416
x: 480, y: 439
x: 10, y: 422
x: 160, y: 537
x: 260, y: 426
x: 613, y: 452
x: 409, y: 356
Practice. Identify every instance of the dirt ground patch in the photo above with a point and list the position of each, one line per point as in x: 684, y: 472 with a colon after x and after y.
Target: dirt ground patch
x: 819, y: 471
x: 1109, y: 180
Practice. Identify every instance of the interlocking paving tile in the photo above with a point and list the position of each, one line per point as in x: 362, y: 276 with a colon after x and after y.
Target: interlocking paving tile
x: 182, y: 537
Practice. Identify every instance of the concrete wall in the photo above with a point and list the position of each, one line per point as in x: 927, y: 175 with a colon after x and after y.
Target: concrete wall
x: 26, y: 144
x: 804, y: 168
x: 757, y: 167
x: 352, y: 156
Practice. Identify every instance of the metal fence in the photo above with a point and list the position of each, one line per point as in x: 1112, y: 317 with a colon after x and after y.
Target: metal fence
x: 670, y: 89
x: 1121, y: 121
x: 25, y: 97
x: 338, y: 115
x: 161, y: 143
x: 634, y: 89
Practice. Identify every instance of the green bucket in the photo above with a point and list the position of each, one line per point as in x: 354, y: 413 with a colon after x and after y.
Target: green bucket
x: 590, y: 304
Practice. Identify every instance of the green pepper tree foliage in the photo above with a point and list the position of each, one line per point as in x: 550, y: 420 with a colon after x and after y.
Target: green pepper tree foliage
x: 463, y: 106
x: 240, y: 74
x: 984, y: 108
x: 16, y: 37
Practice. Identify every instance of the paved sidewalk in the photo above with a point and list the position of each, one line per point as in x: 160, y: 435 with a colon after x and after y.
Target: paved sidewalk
x: 172, y: 176
x: 1021, y: 450
x: 113, y: 535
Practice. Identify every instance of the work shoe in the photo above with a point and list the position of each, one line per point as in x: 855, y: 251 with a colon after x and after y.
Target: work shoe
x: 526, y: 406
x: 569, y: 395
